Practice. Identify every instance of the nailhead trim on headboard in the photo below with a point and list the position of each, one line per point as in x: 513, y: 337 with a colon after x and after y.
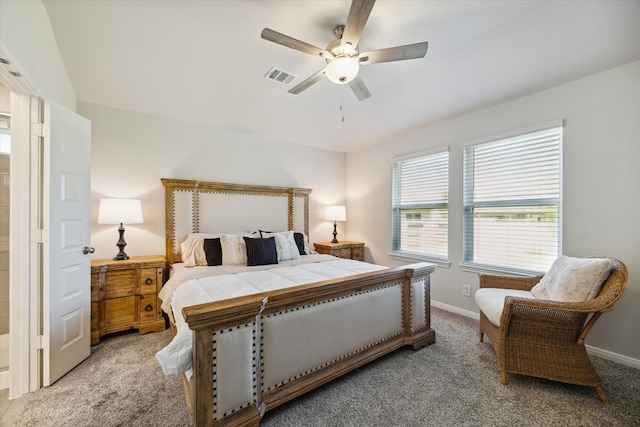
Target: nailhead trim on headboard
x: 198, y: 187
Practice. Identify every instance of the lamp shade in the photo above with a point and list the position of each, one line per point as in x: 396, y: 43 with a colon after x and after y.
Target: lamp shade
x: 335, y: 213
x: 116, y: 211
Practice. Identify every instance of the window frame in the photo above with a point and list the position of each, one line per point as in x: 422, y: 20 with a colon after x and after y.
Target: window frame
x: 468, y: 205
x: 396, y: 209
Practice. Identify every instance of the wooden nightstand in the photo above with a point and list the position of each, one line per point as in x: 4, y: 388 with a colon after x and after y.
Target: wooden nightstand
x: 342, y: 249
x: 124, y: 295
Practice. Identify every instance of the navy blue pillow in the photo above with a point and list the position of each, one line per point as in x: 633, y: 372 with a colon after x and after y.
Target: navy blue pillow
x: 213, y: 251
x: 299, y: 238
x: 261, y: 251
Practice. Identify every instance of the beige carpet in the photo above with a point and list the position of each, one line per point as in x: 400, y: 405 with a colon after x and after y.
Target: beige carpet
x: 454, y: 382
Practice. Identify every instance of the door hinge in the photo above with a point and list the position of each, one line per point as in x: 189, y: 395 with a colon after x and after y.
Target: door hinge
x: 37, y: 129
x: 38, y: 236
x: 37, y: 343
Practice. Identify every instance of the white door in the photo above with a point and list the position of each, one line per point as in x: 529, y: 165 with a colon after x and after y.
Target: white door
x: 66, y: 266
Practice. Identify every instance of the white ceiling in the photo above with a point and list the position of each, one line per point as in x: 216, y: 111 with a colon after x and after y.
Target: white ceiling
x: 204, y: 61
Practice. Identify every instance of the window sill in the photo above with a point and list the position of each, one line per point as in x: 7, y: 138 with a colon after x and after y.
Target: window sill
x: 496, y: 270
x: 407, y: 256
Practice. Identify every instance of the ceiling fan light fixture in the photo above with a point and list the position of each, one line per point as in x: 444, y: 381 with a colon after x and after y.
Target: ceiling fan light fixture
x: 342, y: 69
x: 341, y: 55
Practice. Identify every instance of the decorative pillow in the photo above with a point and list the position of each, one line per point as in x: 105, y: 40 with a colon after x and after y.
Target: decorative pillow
x: 213, y: 251
x: 572, y: 279
x: 192, y: 249
x: 285, y: 245
x: 301, y: 243
x: 261, y: 251
x: 234, y: 250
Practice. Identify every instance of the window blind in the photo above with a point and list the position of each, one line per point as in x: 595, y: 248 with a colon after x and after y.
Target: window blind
x: 420, y: 205
x: 512, y: 201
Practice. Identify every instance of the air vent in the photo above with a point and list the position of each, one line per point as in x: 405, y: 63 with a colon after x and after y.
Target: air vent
x: 12, y: 79
x: 280, y: 76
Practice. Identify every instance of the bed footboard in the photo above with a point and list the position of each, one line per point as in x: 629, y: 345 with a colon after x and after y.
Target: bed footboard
x: 252, y: 354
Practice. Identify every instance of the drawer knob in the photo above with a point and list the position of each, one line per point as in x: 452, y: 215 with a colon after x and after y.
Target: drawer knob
x: 148, y: 281
x: 149, y: 307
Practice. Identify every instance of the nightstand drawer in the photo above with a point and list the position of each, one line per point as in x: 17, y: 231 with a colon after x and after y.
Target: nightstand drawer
x: 344, y: 249
x: 121, y: 283
x: 343, y: 253
x: 120, y: 311
x: 149, y: 280
x: 147, y: 307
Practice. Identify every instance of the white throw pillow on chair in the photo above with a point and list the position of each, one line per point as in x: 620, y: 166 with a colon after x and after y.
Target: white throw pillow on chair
x: 573, y: 279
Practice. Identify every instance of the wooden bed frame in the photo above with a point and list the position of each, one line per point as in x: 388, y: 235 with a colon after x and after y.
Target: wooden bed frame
x: 250, y: 340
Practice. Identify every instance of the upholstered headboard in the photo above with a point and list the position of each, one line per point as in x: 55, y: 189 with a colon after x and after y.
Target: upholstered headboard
x: 213, y: 207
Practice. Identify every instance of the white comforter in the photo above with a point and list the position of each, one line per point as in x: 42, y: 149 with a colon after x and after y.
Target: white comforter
x: 198, y: 285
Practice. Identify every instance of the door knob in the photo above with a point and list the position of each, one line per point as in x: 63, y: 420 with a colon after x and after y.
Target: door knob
x: 88, y: 250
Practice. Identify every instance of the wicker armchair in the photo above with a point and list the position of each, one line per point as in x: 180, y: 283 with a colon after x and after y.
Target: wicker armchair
x: 545, y: 339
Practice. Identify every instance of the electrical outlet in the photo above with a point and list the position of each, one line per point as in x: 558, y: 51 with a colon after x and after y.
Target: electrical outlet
x: 466, y: 290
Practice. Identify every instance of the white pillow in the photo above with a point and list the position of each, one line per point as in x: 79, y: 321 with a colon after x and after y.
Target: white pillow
x: 285, y: 245
x: 573, y: 279
x: 192, y: 249
x: 234, y: 250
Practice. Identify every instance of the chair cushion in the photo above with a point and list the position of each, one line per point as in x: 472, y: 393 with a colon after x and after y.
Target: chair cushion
x: 491, y: 301
x: 573, y: 279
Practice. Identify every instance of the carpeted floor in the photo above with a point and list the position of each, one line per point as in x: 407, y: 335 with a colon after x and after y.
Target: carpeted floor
x: 454, y: 382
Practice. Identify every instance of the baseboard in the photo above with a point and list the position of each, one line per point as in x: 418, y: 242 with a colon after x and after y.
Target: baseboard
x: 605, y: 354
x: 4, y: 380
x: 614, y: 357
x: 457, y: 310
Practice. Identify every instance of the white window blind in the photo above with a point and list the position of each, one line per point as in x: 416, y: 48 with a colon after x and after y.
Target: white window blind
x: 420, y: 206
x: 512, y: 202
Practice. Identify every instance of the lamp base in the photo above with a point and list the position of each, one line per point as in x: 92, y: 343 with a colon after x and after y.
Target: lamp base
x: 121, y: 244
x: 335, y: 233
x: 121, y: 256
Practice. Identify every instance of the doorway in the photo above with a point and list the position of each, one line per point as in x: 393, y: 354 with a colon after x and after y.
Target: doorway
x: 50, y: 223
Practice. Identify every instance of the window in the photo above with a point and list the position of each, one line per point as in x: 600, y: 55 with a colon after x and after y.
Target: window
x: 420, y: 206
x: 512, y: 202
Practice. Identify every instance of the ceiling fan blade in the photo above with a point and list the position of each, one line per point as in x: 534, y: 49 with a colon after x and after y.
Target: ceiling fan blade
x: 358, y: 16
x: 359, y: 89
x: 398, y: 53
x: 279, y: 38
x: 308, y: 82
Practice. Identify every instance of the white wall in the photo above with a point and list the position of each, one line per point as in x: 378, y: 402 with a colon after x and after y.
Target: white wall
x: 131, y: 152
x: 28, y: 42
x: 601, y: 177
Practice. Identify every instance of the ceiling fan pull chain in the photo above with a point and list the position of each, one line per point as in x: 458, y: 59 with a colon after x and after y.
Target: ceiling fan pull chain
x: 342, y: 104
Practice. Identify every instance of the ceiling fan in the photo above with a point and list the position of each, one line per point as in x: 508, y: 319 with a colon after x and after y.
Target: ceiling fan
x: 342, y: 56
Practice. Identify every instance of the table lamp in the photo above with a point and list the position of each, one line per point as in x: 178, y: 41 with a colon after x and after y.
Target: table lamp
x: 335, y: 213
x: 120, y: 211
